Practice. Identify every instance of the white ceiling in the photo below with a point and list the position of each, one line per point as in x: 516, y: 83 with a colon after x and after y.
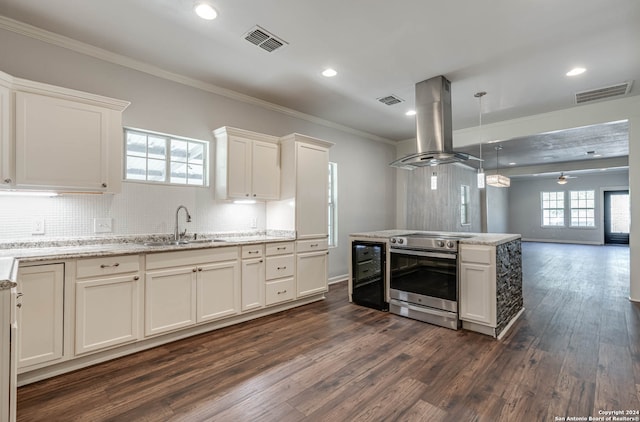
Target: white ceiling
x: 516, y: 50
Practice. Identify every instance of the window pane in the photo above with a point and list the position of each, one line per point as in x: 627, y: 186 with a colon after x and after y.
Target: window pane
x: 178, y: 150
x: 157, y: 170
x: 136, y: 144
x: 157, y: 148
x: 136, y: 168
x: 178, y: 172
x: 195, y: 175
x: 196, y: 153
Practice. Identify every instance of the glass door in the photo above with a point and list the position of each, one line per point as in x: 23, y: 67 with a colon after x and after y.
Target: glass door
x: 617, y: 219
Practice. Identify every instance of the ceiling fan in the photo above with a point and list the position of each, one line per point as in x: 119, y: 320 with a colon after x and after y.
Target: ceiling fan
x: 563, y: 179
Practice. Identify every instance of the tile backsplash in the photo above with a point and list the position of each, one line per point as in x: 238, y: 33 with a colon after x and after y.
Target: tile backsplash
x: 139, y: 209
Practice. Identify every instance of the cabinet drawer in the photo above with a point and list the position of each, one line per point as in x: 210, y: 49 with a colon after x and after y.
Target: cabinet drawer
x: 252, y: 251
x: 191, y: 257
x: 279, y: 291
x: 282, y: 248
x: 368, y: 269
x: 279, y: 266
x: 477, y: 254
x: 93, y: 267
x: 312, y: 245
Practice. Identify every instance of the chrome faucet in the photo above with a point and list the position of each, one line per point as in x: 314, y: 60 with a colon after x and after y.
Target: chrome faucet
x: 176, y: 233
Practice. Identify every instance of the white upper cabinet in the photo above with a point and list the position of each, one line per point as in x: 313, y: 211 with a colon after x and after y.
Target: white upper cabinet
x: 247, y: 165
x: 59, y: 139
x: 305, y: 181
x: 67, y: 140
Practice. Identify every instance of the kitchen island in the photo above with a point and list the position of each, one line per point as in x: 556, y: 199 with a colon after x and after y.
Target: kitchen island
x: 488, y: 273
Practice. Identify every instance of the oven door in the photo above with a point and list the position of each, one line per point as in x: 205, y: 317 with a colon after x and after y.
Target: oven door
x: 425, y: 278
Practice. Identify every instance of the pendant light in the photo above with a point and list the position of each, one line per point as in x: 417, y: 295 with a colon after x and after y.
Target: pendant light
x: 481, y: 178
x: 497, y: 180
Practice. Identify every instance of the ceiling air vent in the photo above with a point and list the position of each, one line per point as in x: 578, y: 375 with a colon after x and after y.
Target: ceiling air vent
x: 264, y: 39
x: 603, y: 93
x: 390, y: 100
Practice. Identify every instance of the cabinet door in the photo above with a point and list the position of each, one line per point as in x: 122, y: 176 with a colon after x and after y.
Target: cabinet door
x: 312, y: 191
x: 477, y: 294
x: 265, y: 179
x: 170, y: 299
x: 218, y: 290
x: 239, y: 167
x: 61, y: 143
x: 6, y: 156
x: 40, y: 318
x: 106, y: 312
x: 311, y: 273
x: 252, y: 284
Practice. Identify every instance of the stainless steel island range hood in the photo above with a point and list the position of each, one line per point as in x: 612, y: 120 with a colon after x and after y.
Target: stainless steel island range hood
x: 434, y: 133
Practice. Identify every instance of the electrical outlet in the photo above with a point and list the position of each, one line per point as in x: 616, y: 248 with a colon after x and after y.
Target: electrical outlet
x: 37, y: 226
x: 254, y: 223
x: 102, y: 225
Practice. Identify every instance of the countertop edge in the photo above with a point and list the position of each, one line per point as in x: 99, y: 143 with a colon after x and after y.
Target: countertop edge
x: 8, y: 273
x: 487, y: 239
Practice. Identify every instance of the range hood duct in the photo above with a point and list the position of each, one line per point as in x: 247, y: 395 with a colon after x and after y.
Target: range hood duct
x: 434, y: 132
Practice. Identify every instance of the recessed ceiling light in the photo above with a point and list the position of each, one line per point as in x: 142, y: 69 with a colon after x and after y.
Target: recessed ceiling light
x: 205, y: 11
x: 576, y: 71
x: 410, y: 113
x: 329, y: 73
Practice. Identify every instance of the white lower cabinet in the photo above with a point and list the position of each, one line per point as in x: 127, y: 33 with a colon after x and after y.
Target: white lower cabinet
x: 253, y: 277
x: 107, y: 302
x: 478, y: 284
x: 170, y: 299
x: 40, y: 314
x: 311, y: 267
x: 217, y: 289
x: 188, y: 287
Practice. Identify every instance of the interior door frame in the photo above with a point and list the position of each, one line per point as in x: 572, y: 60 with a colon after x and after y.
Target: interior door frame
x: 602, y: 208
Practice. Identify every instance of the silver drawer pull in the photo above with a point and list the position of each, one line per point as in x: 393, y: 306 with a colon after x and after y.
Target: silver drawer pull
x: 282, y: 268
x: 284, y: 248
x: 315, y: 245
x: 282, y: 292
x: 117, y: 264
x: 252, y: 252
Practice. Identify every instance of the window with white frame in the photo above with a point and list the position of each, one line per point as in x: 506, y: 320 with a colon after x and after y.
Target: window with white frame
x: 582, y: 206
x: 333, y: 204
x: 552, y: 209
x: 158, y: 158
x: 464, y: 205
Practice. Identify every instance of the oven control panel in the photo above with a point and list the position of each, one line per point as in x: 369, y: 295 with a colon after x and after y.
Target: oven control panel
x: 424, y: 242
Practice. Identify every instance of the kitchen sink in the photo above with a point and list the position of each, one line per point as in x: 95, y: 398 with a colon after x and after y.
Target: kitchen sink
x: 182, y: 242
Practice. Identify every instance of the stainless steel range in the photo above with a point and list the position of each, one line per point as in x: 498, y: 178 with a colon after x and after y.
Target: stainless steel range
x: 424, y: 278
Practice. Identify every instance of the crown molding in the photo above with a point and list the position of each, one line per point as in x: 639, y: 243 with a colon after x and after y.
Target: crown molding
x: 108, y: 56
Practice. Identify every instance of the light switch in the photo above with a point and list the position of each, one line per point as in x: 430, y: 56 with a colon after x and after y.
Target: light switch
x: 102, y: 225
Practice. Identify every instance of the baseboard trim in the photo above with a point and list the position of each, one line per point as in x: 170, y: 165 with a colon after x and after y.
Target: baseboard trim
x: 574, y: 242
x: 338, y: 278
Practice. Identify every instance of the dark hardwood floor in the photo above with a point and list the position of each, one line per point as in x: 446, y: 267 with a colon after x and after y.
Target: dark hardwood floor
x: 575, y: 352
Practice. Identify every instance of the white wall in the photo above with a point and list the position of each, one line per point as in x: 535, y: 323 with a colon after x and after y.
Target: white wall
x: 365, y: 189
x: 497, y: 211
x: 525, y: 210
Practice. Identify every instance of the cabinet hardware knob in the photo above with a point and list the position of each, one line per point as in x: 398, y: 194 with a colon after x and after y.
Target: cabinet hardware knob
x: 246, y: 194
x: 194, y: 270
x: 136, y: 278
x: 19, y: 305
x: 19, y: 295
x: 260, y: 261
x: 199, y: 268
x: 117, y: 264
x: 104, y: 185
x: 254, y: 195
x: 7, y: 180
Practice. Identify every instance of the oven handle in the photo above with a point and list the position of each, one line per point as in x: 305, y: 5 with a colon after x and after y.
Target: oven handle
x: 423, y: 253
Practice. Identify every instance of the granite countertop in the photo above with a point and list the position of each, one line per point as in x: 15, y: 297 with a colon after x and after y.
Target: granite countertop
x: 8, y: 273
x: 125, y: 245
x: 489, y: 239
